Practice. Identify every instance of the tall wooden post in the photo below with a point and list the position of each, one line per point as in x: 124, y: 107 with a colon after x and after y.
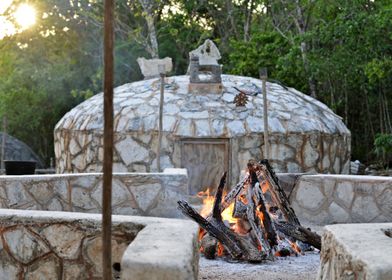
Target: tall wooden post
x: 107, y: 142
x: 161, y: 69
x: 263, y: 77
x: 3, y: 140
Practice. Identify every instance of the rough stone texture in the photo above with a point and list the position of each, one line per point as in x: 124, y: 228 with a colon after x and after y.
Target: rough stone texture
x: 177, y: 258
x: 146, y: 194
x: 17, y: 150
x: 150, y: 67
x: 329, y: 199
x: 165, y: 248
x: 305, y: 135
x: 356, y: 251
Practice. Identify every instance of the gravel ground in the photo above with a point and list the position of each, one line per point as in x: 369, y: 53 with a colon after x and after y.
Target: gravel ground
x: 303, y: 267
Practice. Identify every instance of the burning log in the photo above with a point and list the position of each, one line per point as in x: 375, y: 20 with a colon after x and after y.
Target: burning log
x: 264, y: 222
x: 209, y: 245
x: 300, y: 233
x: 278, y: 195
x: 237, y: 246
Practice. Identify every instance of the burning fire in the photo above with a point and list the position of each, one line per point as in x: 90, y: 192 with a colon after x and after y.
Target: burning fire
x: 208, y: 203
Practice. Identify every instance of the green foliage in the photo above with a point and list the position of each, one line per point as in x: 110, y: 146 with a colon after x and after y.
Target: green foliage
x: 383, y: 147
x: 48, y: 69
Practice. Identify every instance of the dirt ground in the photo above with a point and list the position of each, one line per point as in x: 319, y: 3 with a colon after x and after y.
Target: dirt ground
x: 290, y: 268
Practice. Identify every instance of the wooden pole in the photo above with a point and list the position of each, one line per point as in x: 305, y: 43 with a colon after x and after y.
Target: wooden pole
x: 161, y: 69
x: 3, y: 142
x: 107, y: 142
x: 263, y: 77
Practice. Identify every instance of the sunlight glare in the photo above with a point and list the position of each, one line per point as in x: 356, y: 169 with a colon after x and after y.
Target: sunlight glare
x: 25, y: 16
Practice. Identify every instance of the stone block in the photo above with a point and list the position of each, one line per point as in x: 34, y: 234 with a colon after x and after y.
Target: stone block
x: 161, y: 252
x: 150, y: 67
x: 356, y: 251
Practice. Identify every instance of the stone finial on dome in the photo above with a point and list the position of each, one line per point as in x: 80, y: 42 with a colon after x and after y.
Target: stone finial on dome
x: 203, y: 64
x: 150, y: 67
x: 208, y: 53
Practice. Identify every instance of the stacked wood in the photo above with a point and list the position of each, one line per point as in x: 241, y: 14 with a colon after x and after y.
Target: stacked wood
x: 268, y: 224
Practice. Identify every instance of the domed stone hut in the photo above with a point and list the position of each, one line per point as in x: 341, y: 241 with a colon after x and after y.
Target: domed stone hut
x: 204, y: 131
x: 14, y: 149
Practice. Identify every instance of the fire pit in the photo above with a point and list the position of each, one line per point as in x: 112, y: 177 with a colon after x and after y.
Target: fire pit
x: 253, y: 222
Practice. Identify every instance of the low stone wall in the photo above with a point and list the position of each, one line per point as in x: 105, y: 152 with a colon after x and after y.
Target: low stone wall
x: 356, y: 251
x: 61, y: 245
x: 329, y: 199
x: 144, y: 194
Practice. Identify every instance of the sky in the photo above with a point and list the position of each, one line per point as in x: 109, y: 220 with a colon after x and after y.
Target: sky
x: 23, y: 17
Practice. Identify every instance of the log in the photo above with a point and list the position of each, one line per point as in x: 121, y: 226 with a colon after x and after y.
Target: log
x: 267, y: 220
x: 278, y: 195
x: 209, y: 245
x: 299, y: 233
x: 238, y: 246
x: 255, y: 223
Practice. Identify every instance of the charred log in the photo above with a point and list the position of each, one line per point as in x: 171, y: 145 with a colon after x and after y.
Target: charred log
x: 300, y: 233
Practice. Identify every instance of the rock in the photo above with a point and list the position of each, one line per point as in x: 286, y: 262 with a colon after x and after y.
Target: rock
x: 23, y: 245
x: 130, y: 151
x: 64, y: 240
x: 344, y: 191
x: 208, y: 53
x: 150, y: 67
x: 47, y: 268
x: 145, y: 195
x: 309, y: 196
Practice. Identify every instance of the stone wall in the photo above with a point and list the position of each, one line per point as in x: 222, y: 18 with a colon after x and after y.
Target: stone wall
x: 145, y: 194
x: 58, y: 245
x: 82, y: 151
x: 329, y: 199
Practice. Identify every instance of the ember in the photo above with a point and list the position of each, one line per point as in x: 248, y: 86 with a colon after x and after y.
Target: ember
x: 253, y: 221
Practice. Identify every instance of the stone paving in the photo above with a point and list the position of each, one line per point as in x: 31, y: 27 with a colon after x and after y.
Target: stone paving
x: 329, y: 199
x: 153, y: 194
x: 305, y: 135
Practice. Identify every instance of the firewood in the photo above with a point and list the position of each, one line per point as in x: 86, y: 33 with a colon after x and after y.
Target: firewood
x: 299, y: 233
x: 267, y: 221
x: 254, y: 221
x: 238, y: 246
x: 209, y: 245
x: 278, y: 195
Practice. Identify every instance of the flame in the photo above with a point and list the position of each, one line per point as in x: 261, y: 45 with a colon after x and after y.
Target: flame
x: 208, y: 203
x: 221, y: 249
x: 295, y: 247
x: 264, y: 187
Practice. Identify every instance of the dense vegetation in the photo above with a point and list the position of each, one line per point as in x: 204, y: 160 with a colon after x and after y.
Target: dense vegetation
x: 340, y: 52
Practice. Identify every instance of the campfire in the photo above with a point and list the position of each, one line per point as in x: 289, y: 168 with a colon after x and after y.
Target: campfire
x: 253, y: 221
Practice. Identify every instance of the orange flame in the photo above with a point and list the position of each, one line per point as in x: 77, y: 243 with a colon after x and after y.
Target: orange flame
x: 221, y: 249
x: 208, y: 203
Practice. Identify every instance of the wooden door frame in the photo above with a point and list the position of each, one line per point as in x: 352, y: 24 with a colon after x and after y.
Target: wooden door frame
x: 197, y: 140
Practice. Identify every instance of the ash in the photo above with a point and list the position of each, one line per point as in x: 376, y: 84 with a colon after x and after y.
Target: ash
x: 303, y: 267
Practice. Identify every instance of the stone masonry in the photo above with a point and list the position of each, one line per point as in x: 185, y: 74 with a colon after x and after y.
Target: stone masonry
x: 153, y: 194
x: 58, y: 245
x: 329, y: 199
x: 356, y: 251
x: 305, y: 135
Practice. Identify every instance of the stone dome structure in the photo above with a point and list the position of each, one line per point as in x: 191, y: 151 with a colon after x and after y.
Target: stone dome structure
x: 14, y: 149
x: 204, y: 131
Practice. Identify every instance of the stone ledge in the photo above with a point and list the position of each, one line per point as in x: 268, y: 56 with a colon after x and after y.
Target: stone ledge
x: 356, y: 251
x: 160, y: 252
x: 162, y: 249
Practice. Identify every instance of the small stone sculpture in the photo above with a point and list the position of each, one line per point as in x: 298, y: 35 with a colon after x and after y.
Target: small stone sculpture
x: 204, y: 67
